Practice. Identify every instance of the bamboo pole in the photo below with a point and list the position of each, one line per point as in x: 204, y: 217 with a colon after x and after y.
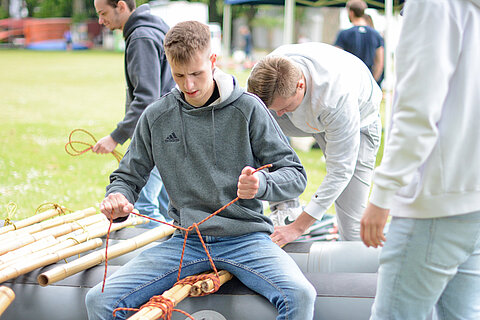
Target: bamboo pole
x: 100, y: 229
x: 18, y: 242
x: 95, y: 230
x: 177, y: 294
x: 50, y: 223
x: 6, y: 297
x: 196, y: 289
x: 28, y: 265
x: 32, y: 220
x: 207, y: 285
x: 97, y: 257
x: 28, y: 249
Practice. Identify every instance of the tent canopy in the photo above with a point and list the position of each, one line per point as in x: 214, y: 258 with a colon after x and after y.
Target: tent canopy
x: 375, y: 4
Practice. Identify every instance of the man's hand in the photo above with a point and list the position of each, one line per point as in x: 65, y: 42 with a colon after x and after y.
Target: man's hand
x: 372, y: 224
x: 115, y: 205
x: 285, y: 234
x: 248, y: 183
x: 105, y: 145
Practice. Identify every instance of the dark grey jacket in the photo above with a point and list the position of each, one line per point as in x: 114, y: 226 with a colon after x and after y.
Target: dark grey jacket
x: 200, y: 153
x: 147, y: 72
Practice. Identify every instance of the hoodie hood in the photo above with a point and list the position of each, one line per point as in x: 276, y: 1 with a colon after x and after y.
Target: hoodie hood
x: 142, y: 17
x: 228, y: 89
x: 229, y: 92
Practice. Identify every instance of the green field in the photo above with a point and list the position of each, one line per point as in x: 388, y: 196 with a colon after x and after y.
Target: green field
x: 45, y: 95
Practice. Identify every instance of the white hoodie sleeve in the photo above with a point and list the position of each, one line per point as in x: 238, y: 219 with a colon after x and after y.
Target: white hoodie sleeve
x: 427, y: 53
x: 342, y: 135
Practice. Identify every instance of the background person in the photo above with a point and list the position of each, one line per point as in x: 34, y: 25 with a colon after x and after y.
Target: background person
x: 314, y: 89
x: 429, y: 180
x: 362, y: 40
x: 148, y: 77
x: 220, y: 133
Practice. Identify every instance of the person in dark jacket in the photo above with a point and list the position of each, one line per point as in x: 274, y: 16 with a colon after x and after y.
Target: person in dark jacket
x: 148, y: 77
x: 206, y: 137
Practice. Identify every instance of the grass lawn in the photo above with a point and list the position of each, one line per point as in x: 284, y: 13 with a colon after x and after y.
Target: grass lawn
x: 45, y: 95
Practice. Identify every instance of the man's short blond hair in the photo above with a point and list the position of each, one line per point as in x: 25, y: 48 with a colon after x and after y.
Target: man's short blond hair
x: 185, y: 39
x: 272, y: 77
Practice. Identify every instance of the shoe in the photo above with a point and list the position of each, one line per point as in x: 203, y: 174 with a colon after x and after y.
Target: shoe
x: 283, y: 214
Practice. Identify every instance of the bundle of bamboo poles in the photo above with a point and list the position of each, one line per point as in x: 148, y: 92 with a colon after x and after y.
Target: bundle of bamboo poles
x: 66, y: 270
x: 177, y: 293
x: 6, y: 297
x: 36, y: 242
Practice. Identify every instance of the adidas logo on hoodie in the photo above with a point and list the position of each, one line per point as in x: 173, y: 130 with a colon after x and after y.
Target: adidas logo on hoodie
x: 172, y: 137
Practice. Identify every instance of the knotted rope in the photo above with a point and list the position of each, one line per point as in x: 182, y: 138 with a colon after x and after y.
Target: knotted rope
x: 75, y: 152
x: 165, y: 304
x: 160, y: 302
x: 51, y: 205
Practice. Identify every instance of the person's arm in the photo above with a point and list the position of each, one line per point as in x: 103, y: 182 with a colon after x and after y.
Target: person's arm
x: 426, y: 60
x: 342, y: 136
x: 286, y: 179
x: 285, y: 234
x: 342, y: 133
x: 144, y: 76
x: 135, y: 167
x: 377, y: 67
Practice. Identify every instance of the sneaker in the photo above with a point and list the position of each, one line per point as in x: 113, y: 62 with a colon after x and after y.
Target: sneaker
x: 283, y: 213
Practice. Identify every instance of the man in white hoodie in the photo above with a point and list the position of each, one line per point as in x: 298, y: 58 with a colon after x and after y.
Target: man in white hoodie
x: 315, y: 89
x: 429, y: 179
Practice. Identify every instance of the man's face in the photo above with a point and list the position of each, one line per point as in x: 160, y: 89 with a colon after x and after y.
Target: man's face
x: 281, y: 105
x: 108, y: 15
x: 195, y: 78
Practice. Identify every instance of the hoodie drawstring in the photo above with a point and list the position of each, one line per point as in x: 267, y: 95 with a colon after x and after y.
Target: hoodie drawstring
x: 183, y: 129
x: 213, y: 135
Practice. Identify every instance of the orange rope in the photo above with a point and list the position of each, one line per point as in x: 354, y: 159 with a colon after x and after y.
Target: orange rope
x: 106, y: 252
x: 165, y: 304
x: 76, y: 152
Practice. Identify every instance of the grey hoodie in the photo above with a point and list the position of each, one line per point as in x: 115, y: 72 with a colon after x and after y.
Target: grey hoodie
x: 200, y: 153
x: 147, y: 72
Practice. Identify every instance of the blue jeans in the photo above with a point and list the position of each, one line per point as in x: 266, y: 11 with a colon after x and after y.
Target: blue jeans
x: 153, y: 200
x: 429, y: 263
x: 253, y: 258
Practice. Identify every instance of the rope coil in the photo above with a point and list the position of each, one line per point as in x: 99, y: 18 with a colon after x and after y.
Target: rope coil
x: 76, y: 152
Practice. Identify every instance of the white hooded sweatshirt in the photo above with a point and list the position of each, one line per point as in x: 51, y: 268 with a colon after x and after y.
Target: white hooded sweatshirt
x: 431, y: 165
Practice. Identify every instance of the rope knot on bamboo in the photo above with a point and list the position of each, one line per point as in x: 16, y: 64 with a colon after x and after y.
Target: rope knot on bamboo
x: 11, y: 208
x: 159, y: 302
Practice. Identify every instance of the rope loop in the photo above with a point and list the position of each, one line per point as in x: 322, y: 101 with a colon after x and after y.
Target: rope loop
x: 51, y: 205
x: 89, y: 146
x: 11, y: 208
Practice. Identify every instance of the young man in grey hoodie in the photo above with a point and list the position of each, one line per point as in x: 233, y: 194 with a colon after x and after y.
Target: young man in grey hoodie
x: 148, y: 77
x: 206, y: 137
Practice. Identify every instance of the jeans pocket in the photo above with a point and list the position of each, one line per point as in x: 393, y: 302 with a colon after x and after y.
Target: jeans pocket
x: 451, y: 241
